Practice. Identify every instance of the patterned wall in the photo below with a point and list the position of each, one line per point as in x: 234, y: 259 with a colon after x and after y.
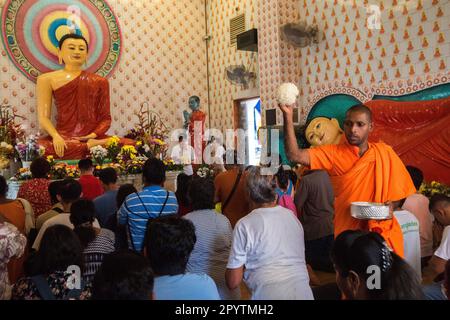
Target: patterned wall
x: 163, y: 62
x: 411, y: 50
x: 221, y: 54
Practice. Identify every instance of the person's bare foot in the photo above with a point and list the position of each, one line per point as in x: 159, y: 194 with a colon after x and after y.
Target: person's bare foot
x: 313, y: 279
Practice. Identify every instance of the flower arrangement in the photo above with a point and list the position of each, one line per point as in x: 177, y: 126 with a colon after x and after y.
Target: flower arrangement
x: 98, y: 153
x: 113, y: 147
x: 30, y: 149
x: 205, y: 171
x: 22, y: 174
x: 172, y: 166
x: 6, y: 150
x: 150, y: 133
x: 127, y: 153
x: 434, y: 187
x: 10, y: 131
x: 62, y: 170
x: 287, y: 93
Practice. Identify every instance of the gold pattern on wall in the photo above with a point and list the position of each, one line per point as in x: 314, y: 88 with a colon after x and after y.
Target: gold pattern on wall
x: 221, y: 55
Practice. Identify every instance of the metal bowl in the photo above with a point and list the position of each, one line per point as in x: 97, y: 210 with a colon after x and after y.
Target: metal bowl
x: 370, y: 211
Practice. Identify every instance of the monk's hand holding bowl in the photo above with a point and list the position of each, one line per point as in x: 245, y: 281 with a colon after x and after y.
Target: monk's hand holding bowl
x: 59, y: 145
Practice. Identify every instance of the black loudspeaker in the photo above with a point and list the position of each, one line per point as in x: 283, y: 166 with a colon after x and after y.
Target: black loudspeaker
x: 271, y: 117
x: 248, y: 40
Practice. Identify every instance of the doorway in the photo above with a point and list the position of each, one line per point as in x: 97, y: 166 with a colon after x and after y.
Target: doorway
x: 249, y: 118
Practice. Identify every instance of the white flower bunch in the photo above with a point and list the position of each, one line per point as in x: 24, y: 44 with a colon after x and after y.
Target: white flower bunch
x: 98, y: 152
x: 287, y: 93
x: 205, y: 172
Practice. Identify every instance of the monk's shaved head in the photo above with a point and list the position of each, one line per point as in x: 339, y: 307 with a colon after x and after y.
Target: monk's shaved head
x: 360, y: 108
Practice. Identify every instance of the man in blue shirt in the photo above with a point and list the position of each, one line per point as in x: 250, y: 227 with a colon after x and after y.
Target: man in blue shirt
x: 106, y: 205
x: 152, y: 202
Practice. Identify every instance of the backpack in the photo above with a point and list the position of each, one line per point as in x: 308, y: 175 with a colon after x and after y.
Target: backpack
x: 285, y: 200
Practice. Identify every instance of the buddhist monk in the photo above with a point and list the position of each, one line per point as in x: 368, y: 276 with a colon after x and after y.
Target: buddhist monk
x: 359, y: 171
x: 81, y: 100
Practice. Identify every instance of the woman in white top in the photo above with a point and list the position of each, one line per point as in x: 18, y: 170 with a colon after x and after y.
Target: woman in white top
x: 269, y: 244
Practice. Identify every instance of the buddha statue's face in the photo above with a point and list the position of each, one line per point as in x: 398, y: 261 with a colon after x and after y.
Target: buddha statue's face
x: 194, y: 104
x: 73, y: 52
x: 322, y: 131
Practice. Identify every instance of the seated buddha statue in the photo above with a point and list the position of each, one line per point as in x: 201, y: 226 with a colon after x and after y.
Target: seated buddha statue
x: 323, y: 131
x: 82, y: 103
x: 190, y: 120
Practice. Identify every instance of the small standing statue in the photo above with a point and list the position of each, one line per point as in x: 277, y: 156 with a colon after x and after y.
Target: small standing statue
x: 195, y: 121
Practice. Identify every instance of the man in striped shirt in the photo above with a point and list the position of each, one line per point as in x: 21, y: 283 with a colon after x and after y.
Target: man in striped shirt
x: 152, y: 202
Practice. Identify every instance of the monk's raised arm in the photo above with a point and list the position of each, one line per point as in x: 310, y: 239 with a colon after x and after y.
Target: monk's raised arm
x: 293, y: 152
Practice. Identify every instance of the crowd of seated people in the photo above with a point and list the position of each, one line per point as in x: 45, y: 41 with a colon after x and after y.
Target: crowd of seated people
x: 126, y: 244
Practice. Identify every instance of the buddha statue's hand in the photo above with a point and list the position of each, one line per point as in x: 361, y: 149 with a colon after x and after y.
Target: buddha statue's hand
x: 59, y: 145
x: 86, y: 138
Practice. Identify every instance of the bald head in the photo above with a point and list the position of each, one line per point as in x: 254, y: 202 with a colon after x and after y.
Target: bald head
x: 360, y: 108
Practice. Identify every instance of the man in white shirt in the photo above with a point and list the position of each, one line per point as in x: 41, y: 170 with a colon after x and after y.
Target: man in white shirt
x: 184, y: 154
x: 268, y: 250
x: 411, y: 238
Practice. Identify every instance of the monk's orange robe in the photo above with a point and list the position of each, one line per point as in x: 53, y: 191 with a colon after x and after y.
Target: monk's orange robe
x: 82, y: 108
x: 378, y: 176
x: 197, y: 116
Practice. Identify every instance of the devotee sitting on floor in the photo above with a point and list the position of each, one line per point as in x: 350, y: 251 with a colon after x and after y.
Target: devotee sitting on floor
x: 184, y: 203
x: 48, y: 280
x: 123, y: 276
x: 268, y: 249
x: 447, y: 279
x: 354, y: 252
x: 440, y: 208
x: 70, y: 192
x: 285, y: 190
x: 96, y: 242
x: 411, y: 237
x: 82, y: 103
x: 359, y: 171
x: 213, y: 232
x: 35, y: 190
x: 90, y: 185
x: 418, y: 205
x: 14, y: 212
x: 105, y: 204
x: 314, y: 200
x: 57, y: 207
x: 230, y: 188
x: 120, y: 230
x: 152, y: 202
x: 169, y: 243
x: 12, y: 245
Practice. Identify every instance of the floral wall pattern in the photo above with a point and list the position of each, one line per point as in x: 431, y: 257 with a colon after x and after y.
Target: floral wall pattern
x: 163, y: 62
x: 409, y: 52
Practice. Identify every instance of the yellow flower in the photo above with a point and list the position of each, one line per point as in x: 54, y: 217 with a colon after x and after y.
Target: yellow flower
x: 49, y: 158
x: 138, y: 143
x: 98, y: 167
x: 159, y: 141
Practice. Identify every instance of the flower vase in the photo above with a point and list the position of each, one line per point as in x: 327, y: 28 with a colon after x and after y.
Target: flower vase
x: 26, y: 164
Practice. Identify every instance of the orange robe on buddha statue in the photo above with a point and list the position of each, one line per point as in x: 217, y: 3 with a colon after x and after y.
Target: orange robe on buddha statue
x: 82, y: 108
